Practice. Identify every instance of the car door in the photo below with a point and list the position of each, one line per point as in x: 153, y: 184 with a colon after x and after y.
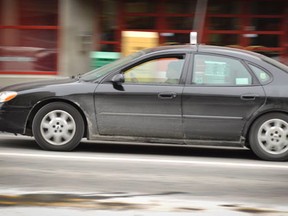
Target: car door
x: 220, y: 96
x: 147, y: 103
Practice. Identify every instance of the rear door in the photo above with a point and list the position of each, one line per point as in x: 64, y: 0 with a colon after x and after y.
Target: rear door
x: 220, y: 96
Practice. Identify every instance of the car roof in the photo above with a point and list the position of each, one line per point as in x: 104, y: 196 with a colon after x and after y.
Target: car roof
x: 239, y: 53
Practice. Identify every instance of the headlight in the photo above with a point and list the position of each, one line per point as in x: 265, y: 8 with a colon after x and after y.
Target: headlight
x: 7, y: 96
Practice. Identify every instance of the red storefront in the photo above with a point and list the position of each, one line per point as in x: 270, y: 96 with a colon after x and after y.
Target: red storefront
x: 260, y: 25
x: 31, y: 31
x: 28, y: 36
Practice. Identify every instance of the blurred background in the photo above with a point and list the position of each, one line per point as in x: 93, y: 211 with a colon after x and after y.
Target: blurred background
x: 48, y: 38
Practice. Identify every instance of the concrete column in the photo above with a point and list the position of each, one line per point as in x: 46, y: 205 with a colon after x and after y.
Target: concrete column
x: 9, y: 17
x: 199, y: 18
x: 77, y: 26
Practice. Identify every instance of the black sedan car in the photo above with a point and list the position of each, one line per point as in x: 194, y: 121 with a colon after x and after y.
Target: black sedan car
x: 188, y: 94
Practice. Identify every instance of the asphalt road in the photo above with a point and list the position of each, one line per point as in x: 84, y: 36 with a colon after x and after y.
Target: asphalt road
x: 139, y: 178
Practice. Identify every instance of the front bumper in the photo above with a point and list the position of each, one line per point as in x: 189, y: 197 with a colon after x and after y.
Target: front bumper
x: 13, y: 119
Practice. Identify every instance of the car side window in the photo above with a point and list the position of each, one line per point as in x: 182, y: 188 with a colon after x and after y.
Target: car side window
x: 219, y: 70
x: 164, y: 70
x: 262, y: 75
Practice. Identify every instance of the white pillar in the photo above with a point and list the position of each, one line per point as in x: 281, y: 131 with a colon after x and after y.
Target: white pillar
x: 199, y: 18
x: 77, y: 26
x: 9, y: 17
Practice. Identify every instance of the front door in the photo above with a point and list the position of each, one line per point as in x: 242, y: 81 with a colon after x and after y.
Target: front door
x: 147, y: 104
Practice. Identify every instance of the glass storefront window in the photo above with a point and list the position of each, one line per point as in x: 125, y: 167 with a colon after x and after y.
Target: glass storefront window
x: 28, y: 36
x: 175, y: 38
x: 238, y: 23
x: 183, y: 7
x: 180, y: 23
x: 223, y: 39
x: 35, y: 12
x: 108, y: 34
x: 1, y: 9
x: 265, y: 40
x: 223, y: 23
x: 38, y: 38
x: 106, y: 47
x: 268, y: 7
x: 108, y: 25
x: 140, y: 6
x: 255, y: 25
x: 224, y: 7
x: 267, y: 24
x: 28, y: 50
x: 140, y: 22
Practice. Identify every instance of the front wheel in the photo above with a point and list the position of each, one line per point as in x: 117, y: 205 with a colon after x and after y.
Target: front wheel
x: 269, y: 137
x: 58, y: 126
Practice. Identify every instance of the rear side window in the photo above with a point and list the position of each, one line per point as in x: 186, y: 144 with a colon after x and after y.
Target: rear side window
x: 262, y: 75
x: 220, y: 71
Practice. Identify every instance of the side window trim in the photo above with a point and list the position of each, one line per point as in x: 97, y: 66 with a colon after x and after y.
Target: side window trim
x: 192, y: 72
x: 181, y: 55
x: 249, y: 64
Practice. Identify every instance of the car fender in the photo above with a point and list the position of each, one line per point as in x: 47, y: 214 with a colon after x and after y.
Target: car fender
x: 263, y: 111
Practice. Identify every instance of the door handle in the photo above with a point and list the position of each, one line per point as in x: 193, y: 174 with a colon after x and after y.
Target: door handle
x: 167, y: 95
x: 249, y: 97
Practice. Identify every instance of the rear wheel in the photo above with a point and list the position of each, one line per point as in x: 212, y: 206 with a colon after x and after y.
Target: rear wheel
x: 269, y: 137
x: 58, y: 126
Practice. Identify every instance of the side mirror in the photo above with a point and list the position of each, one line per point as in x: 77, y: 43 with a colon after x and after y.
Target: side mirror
x: 118, y: 79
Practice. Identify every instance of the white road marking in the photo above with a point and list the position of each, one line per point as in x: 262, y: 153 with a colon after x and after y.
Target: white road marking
x: 147, y: 160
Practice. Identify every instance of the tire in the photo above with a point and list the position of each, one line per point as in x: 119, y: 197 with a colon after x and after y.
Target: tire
x: 58, y: 126
x: 268, y: 137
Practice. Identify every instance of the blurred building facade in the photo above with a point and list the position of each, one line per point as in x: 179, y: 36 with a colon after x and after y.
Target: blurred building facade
x: 39, y: 39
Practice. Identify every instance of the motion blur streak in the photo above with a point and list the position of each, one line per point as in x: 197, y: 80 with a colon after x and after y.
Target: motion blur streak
x: 146, y: 160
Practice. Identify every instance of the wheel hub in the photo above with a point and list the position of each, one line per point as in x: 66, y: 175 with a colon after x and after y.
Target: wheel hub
x: 275, y: 136
x: 58, y: 127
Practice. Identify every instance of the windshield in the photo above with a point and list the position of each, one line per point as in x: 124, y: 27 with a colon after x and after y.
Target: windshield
x: 106, y: 69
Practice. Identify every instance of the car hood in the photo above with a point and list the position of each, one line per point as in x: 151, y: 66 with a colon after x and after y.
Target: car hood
x: 38, y: 84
